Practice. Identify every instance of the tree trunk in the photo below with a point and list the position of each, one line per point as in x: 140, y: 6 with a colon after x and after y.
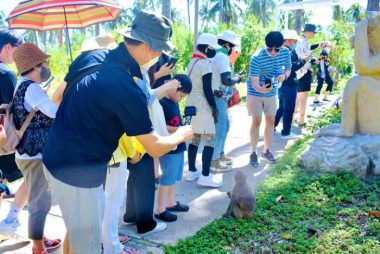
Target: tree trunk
x: 221, y: 12
x: 188, y: 13
x: 166, y: 8
x: 373, y: 5
x: 196, y: 16
x: 97, y: 29
x: 35, y: 37
x: 60, y: 37
x: 298, y: 19
x: 264, y: 12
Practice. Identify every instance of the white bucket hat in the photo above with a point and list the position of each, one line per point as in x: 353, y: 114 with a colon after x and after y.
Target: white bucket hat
x: 291, y: 35
x: 208, y: 39
x: 230, y: 37
x: 103, y: 41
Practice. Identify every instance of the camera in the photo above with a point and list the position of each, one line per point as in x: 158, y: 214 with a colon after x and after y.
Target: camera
x: 313, y: 60
x: 190, y: 111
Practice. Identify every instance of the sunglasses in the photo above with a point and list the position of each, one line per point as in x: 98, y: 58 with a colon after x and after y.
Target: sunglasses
x: 275, y: 49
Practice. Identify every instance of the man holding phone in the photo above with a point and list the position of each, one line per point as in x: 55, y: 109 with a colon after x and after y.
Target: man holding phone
x: 265, y: 66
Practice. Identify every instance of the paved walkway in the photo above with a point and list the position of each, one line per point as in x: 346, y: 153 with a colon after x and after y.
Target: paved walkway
x: 206, y: 204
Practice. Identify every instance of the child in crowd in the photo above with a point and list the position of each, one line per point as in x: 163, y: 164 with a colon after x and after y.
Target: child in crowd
x: 172, y: 163
x: 323, y: 74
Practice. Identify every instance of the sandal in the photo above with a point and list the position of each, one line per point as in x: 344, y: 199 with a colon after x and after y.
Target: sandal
x: 123, y: 239
x: 52, y: 245
x: 178, y: 208
x: 166, y: 216
x: 130, y: 250
x: 41, y: 252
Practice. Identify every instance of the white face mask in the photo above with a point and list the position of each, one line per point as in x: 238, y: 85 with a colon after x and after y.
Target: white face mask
x: 145, y: 67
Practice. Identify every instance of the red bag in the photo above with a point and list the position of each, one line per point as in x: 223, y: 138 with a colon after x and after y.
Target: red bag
x: 235, y: 99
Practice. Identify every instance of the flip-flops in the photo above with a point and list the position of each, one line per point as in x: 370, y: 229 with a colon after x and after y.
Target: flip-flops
x: 130, y: 250
x: 51, y: 245
x: 123, y: 238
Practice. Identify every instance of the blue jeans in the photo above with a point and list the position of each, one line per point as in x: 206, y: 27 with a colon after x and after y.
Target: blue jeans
x: 287, y: 96
x: 221, y: 127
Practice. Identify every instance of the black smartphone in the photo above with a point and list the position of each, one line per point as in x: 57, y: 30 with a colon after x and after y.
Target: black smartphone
x: 172, y: 61
x: 268, y: 83
x: 190, y: 111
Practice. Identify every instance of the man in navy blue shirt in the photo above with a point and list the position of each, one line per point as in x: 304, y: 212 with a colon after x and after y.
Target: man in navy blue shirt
x: 93, y: 115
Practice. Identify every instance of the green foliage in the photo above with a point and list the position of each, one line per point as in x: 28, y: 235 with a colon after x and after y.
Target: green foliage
x: 341, y: 56
x: 183, y: 40
x: 318, y: 213
x: 329, y: 116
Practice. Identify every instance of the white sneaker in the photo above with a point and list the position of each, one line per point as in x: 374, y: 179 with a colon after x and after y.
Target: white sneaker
x: 290, y: 136
x: 159, y: 227
x: 210, y: 181
x: 192, y: 176
x: 10, y: 230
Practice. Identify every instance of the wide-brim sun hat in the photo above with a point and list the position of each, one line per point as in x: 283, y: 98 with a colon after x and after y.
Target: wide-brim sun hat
x: 230, y: 37
x: 28, y: 56
x: 208, y: 39
x: 152, y: 29
x: 290, y: 35
x: 103, y: 41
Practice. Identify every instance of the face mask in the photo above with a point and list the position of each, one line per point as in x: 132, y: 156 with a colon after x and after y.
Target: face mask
x: 293, y: 47
x: 210, y: 53
x: 45, y: 73
x: 145, y: 67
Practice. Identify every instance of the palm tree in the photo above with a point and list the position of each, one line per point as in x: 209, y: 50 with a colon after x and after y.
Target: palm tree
x: 262, y: 9
x: 298, y: 19
x: 227, y: 10
x: 373, y: 5
x: 188, y: 12
x: 166, y: 8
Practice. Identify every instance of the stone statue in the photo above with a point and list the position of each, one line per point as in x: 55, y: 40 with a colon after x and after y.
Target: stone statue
x: 361, y: 97
x: 354, y: 145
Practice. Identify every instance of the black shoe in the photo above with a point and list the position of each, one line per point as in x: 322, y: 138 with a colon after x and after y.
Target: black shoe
x: 268, y: 157
x: 253, y: 160
x: 178, y: 208
x: 317, y: 102
x: 166, y: 216
x: 326, y: 100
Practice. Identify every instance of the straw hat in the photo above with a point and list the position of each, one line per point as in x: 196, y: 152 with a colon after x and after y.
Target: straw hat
x: 28, y: 56
x: 103, y: 41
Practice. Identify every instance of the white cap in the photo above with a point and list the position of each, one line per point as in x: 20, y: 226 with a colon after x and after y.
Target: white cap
x: 291, y: 35
x: 103, y: 41
x: 230, y: 37
x: 208, y: 39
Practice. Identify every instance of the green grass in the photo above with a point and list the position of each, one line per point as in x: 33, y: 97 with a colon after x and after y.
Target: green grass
x: 318, y: 213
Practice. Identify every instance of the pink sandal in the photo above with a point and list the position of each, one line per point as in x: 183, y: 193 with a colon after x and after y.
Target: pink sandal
x: 52, y: 245
x: 123, y: 238
x: 130, y: 250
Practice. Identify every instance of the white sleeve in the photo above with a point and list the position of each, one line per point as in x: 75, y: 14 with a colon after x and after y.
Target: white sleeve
x: 37, y: 99
x: 223, y: 63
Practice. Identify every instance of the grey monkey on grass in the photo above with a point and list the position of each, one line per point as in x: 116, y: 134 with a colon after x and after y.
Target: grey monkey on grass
x: 242, y: 199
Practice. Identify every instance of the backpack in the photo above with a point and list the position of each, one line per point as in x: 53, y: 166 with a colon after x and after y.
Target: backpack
x: 13, y: 136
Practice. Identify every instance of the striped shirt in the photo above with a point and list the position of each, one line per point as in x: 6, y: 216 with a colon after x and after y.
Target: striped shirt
x: 264, y: 66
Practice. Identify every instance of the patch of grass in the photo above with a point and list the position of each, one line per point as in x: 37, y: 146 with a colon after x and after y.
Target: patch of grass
x: 318, y: 213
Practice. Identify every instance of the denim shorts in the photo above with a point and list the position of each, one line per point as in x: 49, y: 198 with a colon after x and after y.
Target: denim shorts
x: 172, y: 168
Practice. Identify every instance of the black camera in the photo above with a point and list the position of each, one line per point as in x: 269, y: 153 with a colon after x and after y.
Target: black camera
x: 313, y: 60
x: 190, y: 111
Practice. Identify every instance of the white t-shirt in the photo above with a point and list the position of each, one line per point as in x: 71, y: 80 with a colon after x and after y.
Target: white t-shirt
x: 220, y: 64
x: 36, y: 98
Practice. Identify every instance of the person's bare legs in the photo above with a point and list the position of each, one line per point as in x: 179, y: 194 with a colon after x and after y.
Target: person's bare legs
x: 326, y: 97
x: 171, y: 199
x: 316, y: 97
x: 156, y: 168
x: 302, y: 107
x: 268, y: 133
x: 162, y: 198
x: 255, y: 132
x: 21, y: 197
x: 297, y: 107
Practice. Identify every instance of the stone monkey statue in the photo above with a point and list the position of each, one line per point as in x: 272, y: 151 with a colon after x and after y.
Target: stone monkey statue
x: 361, y: 104
x: 242, y: 199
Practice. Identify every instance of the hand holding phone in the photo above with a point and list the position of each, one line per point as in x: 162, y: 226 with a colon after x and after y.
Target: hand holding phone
x: 172, y: 61
x: 268, y: 83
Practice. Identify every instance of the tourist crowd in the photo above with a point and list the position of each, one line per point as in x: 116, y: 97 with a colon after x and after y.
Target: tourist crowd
x: 118, y: 109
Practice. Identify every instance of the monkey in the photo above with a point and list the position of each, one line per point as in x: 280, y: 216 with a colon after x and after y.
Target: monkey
x: 242, y: 199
